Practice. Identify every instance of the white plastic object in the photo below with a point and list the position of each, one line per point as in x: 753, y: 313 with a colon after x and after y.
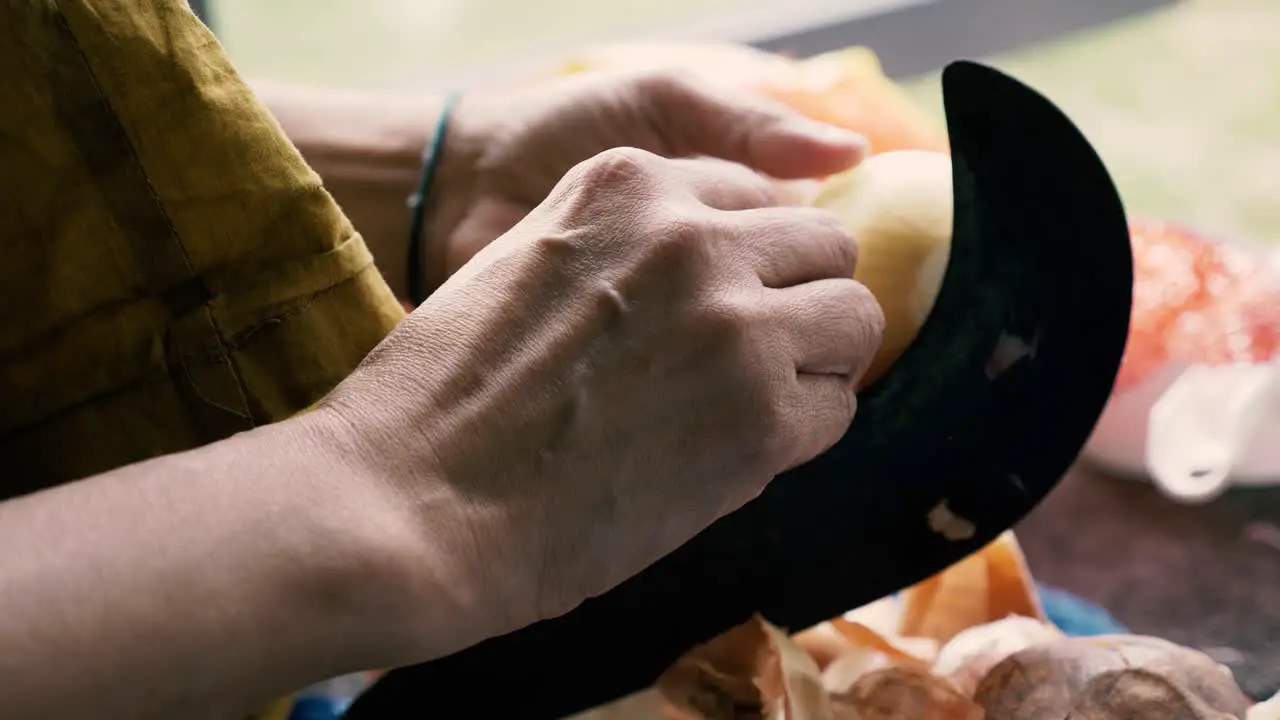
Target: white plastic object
x: 1196, y: 430
x: 1203, y: 426
x: 1200, y: 427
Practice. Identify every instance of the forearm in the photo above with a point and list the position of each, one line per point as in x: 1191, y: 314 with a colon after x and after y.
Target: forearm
x: 368, y: 150
x: 196, y: 585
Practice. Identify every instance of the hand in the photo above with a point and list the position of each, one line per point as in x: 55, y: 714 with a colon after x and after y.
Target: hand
x: 636, y: 358
x: 505, y: 152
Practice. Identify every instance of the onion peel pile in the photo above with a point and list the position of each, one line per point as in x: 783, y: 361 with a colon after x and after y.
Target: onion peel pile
x: 970, y: 643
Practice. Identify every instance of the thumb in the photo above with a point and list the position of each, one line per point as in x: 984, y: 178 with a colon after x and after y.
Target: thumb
x: 701, y: 119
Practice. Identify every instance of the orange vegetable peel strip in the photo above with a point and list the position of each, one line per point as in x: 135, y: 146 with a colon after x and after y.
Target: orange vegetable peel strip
x: 989, y: 585
x: 1196, y: 301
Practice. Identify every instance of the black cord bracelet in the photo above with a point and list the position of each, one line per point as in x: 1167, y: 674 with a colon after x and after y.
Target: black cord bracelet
x: 418, y: 204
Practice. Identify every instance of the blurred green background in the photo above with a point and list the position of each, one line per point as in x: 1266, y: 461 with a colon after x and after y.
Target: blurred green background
x: 1182, y: 103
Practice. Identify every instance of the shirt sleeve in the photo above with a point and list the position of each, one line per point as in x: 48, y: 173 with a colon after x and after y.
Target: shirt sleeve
x: 174, y: 272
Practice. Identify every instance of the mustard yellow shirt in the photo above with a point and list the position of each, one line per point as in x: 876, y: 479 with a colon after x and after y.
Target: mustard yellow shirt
x: 173, y: 271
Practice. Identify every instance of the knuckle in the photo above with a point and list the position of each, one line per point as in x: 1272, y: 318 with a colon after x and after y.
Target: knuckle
x: 868, y: 313
x: 683, y: 245
x: 615, y: 185
x: 842, y: 246
x: 854, y: 312
x: 617, y: 166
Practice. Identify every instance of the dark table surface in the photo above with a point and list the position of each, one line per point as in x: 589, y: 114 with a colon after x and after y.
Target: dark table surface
x: 1205, y: 576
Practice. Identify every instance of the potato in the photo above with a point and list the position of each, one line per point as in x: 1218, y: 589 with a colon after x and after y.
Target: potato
x: 898, y: 206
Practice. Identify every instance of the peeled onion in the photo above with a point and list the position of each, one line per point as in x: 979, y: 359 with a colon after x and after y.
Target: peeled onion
x: 898, y: 205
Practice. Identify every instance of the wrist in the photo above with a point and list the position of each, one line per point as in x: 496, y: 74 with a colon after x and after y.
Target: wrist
x: 337, y: 546
x: 409, y: 587
x: 368, y: 151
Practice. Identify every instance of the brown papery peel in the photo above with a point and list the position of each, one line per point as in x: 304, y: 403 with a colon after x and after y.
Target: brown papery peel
x: 876, y: 662
x: 862, y: 666
x: 970, y: 643
x: 752, y: 671
x: 899, y: 692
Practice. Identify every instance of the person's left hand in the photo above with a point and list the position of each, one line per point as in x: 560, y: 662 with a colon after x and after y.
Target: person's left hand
x: 506, y: 151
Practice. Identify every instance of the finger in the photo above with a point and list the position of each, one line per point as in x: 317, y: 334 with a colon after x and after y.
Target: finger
x: 728, y: 185
x: 820, y: 410
x: 725, y: 185
x: 833, y: 327
x: 694, y: 118
x: 789, y: 246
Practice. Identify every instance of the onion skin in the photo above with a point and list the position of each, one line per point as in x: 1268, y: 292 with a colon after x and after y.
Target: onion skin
x: 898, y: 206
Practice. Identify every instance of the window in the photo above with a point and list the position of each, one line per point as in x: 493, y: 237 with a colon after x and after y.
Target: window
x: 437, y: 42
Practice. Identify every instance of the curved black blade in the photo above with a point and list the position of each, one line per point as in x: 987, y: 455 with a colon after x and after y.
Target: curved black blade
x: 981, y: 416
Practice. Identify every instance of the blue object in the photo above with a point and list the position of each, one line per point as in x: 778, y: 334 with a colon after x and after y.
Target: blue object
x: 1076, y: 616
x: 314, y: 707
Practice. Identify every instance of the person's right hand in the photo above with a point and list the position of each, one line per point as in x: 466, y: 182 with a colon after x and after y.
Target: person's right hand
x: 638, y: 357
